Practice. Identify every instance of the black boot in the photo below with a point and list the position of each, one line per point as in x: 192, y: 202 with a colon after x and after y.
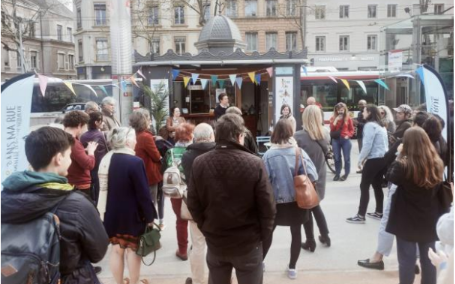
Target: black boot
x: 309, y: 245
x: 325, y: 240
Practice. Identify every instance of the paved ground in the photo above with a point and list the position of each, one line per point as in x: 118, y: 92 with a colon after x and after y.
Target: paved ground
x: 337, y: 264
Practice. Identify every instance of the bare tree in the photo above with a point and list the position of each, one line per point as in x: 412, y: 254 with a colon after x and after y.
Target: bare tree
x: 198, y: 6
x: 296, y: 12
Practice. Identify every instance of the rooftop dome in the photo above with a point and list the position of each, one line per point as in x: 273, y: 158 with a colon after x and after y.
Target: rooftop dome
x: 220, y: 34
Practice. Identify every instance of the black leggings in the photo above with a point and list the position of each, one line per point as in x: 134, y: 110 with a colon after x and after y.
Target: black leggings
x: 295, y: 244
x: 320, y: 220
x: 372, y: 173
x: 160, y: 197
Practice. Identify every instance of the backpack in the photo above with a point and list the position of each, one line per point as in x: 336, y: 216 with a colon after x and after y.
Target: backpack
x: 163, y: 146
x: 31, y: 250
x: 173, y: 184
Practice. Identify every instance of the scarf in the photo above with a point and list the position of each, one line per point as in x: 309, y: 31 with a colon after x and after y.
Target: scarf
x: 103, y: 175
x: 289, y: 144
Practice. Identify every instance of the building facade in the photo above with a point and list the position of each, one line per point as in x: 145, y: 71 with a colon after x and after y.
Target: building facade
x: 47, y: 36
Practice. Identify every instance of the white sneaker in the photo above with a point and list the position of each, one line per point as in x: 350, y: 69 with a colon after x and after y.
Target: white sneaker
x: 292, y: 273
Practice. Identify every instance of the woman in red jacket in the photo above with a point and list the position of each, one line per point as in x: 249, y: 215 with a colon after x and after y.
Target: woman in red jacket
x: 341, y: 131
x: 146, y: 149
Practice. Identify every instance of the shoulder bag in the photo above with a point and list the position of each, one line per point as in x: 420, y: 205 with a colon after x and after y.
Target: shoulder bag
x: 305, y: 194
x: 148, y: 242
x: 336, y: 134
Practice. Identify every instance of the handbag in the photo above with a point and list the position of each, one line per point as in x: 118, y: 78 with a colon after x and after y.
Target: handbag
x: 445, y: 196
x: 184, y: 212
x: 336, y: 134
x: 148, y: 242
x: 305, y: 194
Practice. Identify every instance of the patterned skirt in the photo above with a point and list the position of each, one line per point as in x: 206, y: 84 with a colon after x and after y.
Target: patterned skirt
x: 125, y: 241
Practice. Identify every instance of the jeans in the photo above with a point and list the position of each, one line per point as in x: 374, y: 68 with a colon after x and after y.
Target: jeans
x: 296, y: 241
x: 407, y: 256
x: 181, y: 226
x: 344, y: 145
x: 359, y: 141
x: 372, y: 175
x: 95, y: 186
x: 197, y: 254
x: 385, y: 240
x: 320, y: 220
x: 248, y: 267
x: 154, y: 193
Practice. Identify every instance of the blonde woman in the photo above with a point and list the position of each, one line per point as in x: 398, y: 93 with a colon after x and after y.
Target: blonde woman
x: 387, y: 118
x: 314, y: 139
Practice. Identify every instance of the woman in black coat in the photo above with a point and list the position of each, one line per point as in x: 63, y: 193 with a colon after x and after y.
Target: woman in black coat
x: 415, y: 209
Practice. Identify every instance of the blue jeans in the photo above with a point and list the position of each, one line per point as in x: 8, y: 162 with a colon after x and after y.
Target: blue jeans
x: 407, y: 256
x: 344, y: 145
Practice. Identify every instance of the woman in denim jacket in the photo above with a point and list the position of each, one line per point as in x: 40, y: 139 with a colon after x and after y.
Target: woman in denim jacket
x: 279, y: 162
x: 371, y: 158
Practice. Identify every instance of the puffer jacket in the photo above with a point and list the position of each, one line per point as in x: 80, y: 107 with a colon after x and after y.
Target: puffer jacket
x: 29, y: 195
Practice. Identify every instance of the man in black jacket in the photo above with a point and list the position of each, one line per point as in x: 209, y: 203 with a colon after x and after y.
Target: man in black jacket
x: 204, y: 141
x: 28, y: 195
x: 231, y: 200
x: 403, y: 120
x: 250, y: 143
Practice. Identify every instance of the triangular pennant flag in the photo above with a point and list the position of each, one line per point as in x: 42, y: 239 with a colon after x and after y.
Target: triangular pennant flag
x: 239, y: 81
x: 175, y: 73
x: 204, y: 83
x: 257, y: 78
x: 70, y: 86
x: 419, y: 72
x: 133, y: 80
x: 270, y: 71
x: 91, y: 88
x: 305, y: 71
x: 362, y: 85
x: 333, y: 79
x: 346, y: 83
x: 123, y: 83
x: 382, y: 83
x: 214, y: 78
x: 139, y: 71
x: 251, y: 75
x: 406, y: 75
x: 103, y: 89
x: 194, y: 77
x: 43, y: 83
x: 186, y: 80
x: 232, y: 77
x: 221, y: 83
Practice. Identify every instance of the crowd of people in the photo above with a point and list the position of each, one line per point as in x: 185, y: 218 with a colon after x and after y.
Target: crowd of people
x: 109, y: 181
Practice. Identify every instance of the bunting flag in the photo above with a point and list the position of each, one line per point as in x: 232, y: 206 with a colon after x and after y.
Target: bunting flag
x: 221, y: 83
x: 214, y: 78
x: 239, y: 81
x: 204, y: 83
x: 139, y: 71
x: 123, y: 83
x: 305, y: 71
x: 405, y: 75
x: 70, y: 86
x: 419, y: 72
x: 43, y: 83
x: 104, y: 90
x: 186, y: 80
x: 333, y: 79
x: 362, y: 85
x: 232, y: 77
x: 270, y: 71
x: 175, y: 73
x: 194, y: 77
x: 251, y: 75
x: 258, y: 78
x: 382, y: 83
x: 346, y: 83
x: 91, y: 88
x: 133, y: 80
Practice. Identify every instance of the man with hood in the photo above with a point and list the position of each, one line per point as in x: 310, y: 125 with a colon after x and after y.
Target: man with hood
x: 29, y: 195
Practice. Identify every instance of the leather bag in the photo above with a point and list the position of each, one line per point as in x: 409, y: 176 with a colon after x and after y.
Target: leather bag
x: 184, y: 212
x: 305, y: 194
x: 149, y: 242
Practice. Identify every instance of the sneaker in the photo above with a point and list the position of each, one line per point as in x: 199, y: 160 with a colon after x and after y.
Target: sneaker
x: 357, y: 219
x: 375, y: 215
x: 292, y: 273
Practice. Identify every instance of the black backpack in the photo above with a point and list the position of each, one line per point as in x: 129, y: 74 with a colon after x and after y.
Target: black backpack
x: 31, y: 251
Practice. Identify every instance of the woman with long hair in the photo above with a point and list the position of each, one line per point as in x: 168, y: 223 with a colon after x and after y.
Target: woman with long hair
x: 183, y: 137
x: 314, y: 140
x: 286, y: 113
x: 387, y: 118
x: 371, y: 158
x: 172, y: 122
x: 341, y: 122
x: 280, y: 163
x: 415, y: 209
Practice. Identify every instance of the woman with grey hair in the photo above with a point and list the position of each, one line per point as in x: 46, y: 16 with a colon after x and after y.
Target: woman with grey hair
x: 249, y: 143
x: 387, y: 118
x: 108, y: 108
x: 146, y: 149
x: 128, y: 208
